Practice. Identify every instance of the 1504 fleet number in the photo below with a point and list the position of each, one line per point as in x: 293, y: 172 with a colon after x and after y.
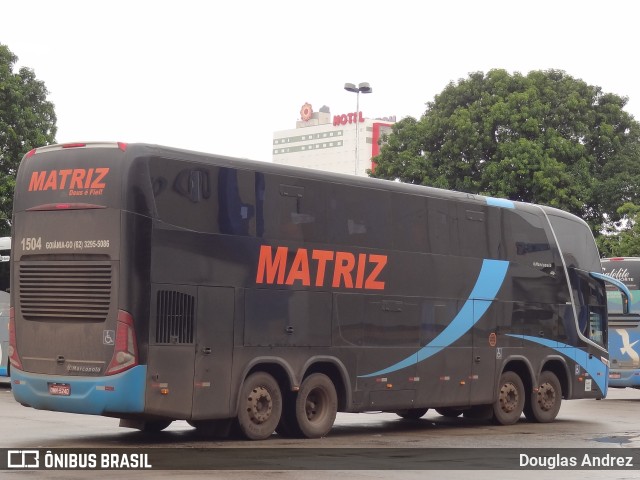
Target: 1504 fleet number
x: 35, y: 243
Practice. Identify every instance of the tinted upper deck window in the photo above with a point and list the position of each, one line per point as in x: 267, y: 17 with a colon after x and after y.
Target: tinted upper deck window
x: 576, y: 243
x: 82, y: 175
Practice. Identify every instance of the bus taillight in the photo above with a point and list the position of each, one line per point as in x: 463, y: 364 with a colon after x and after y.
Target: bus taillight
x: 14, y: 359
x: 125, y: 353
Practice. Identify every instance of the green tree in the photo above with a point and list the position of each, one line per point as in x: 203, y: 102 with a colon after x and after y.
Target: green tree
x: 27, y: 120
x: 545, y: 138
x: 623, y: 238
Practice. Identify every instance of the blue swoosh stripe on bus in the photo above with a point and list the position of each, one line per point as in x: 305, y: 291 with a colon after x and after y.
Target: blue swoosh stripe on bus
x: 592, y: 365
x: 489, y: 282
x: 500, y: 202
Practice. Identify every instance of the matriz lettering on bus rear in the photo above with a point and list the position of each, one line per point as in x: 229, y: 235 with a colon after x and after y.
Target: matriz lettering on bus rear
x: 79, y: 181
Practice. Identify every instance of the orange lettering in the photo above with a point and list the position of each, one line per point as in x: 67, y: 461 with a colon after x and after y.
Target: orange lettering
x: 52, y: 181
x: 100, y: 174
x: 87, y: 182
x: 323, y: 256
x: 273, y: 268
x: 77, y: 177
x: 372, y: 282
x: 300, y: 268
x: 63, y: 177
x: 270, y: 265
x: 345, y: 262
x: 362, y: 263
x: 37, y: 181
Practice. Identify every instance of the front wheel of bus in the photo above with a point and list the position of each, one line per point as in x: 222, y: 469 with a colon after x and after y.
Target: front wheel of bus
x: 511, y: 398
x: 316, y: 406
x: 260, y: 406
x: 544, y: 402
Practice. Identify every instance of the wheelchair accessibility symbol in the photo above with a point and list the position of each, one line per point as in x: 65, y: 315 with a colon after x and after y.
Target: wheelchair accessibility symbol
x: 108, y: 337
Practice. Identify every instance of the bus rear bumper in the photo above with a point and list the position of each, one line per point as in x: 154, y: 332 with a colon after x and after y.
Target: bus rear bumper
x: 121, y: 393
x: 624, y: 378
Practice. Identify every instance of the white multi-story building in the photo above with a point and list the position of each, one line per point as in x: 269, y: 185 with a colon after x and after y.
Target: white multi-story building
x: 328, y: 142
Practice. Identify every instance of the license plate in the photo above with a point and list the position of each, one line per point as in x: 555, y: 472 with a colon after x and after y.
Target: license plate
x: 63, y: 389
x: 614, y: 375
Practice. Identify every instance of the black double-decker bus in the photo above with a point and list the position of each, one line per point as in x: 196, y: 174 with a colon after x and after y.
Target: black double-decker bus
x: 154, y: 284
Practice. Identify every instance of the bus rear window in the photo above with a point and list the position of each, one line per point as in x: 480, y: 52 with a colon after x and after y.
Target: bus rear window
x: 69, y: 177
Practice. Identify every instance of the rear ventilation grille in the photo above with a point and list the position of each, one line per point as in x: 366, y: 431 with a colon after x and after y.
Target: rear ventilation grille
x: 63, y: 292
x: 175, y: 317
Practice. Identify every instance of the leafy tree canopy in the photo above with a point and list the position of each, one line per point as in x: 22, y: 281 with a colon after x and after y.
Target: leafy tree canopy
x: 27, y: 120
x: 544, y: 138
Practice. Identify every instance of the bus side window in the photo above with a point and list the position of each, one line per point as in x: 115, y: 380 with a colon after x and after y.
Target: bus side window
x: 180, y: 188
x: 291, y: 209
x: 443, y: 226
x: 474, y: 235
x: 527, y: 241
x: 236, y: 201
x: 291, y: 216
x: 410, y: 233
x: 360, y: 217
x: 193, y: 184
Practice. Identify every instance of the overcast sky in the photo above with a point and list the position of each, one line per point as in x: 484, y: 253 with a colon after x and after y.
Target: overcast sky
x: 222, y: 76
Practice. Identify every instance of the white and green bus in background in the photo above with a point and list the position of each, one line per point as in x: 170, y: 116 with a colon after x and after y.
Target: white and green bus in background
x: 624, y: 322
x: 5, y: 250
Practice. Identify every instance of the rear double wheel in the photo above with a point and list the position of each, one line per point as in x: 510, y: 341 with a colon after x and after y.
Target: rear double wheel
x: 311, y: 412
x: 543, y: 403
x: 510, y: 401
x: 260, y: 406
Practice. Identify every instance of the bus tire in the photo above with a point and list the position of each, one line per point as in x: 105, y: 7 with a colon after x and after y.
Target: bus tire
x: 412, y: 413
x: 544, y: 402
x: 449, y: 412
x: 511, y: 399
x: 260, y: 406
x: 316, y: 406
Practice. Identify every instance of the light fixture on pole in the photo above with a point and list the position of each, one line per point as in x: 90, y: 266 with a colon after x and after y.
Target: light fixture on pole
x: 363, y: 87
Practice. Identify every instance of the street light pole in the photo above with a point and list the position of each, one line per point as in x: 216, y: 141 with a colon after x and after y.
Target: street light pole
x: 363, y: 87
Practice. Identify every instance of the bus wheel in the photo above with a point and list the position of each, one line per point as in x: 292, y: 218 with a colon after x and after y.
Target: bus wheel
x: 316, y: 406
x: 412, y: 413
x: 449, y: 412
x: 544, y: 402
x: 511, y: 398
x: 260, y: 406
